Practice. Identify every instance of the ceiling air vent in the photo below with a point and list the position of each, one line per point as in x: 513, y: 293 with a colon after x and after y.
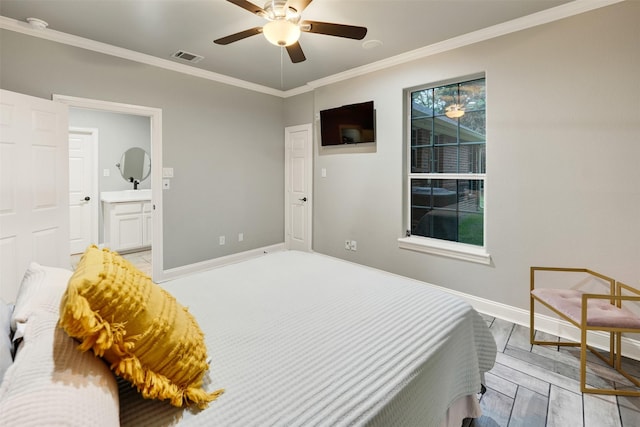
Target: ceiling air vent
x: 186, y: 56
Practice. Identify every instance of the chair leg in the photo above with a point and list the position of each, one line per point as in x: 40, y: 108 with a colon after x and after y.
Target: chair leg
x: 617, y: 365
x: 532, y: 330
x: 583, y: 359
x: 612, y: 348
x: 618, y: 351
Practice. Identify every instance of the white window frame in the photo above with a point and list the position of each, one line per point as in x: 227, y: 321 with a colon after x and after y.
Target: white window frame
x: 446, y: 248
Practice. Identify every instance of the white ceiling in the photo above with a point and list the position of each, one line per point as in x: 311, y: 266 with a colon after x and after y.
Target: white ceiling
x: 162, y: 27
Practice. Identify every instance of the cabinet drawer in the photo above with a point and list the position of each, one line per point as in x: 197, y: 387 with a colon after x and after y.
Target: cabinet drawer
x: 146, y: 207
x: 127, y: 208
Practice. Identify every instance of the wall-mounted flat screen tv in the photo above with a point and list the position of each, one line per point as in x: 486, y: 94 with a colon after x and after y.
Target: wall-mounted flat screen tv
x: 349, y: 124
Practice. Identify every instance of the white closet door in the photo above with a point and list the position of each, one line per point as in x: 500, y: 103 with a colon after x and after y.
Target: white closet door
x: 34, y: 187
x: 298, y: 187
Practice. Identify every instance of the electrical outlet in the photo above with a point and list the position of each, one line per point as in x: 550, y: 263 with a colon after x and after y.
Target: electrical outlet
x: 166, y: 184
x: 222, y: 240
x: 350, y: 245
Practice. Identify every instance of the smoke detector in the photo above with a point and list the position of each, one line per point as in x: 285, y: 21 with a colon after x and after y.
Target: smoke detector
x: 38, y: 24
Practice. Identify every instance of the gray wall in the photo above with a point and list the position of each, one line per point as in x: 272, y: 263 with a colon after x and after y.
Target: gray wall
x: 563, y: 144
x: 299, y: 109
x: 225, y: 144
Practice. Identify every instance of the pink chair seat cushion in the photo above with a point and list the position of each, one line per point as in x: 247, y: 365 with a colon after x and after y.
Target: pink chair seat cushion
x: 599, y: 311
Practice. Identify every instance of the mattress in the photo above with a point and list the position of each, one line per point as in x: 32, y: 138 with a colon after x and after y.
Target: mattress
x: 302, y: 339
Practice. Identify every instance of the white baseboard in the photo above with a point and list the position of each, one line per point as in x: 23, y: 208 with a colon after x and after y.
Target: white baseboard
x: 551, y: 325
x: 184, y: 270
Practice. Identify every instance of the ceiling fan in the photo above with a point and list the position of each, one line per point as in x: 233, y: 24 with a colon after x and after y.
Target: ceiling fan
x: 284, y: 26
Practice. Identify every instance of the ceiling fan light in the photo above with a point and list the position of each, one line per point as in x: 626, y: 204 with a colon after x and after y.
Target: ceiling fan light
x: 281, y: 32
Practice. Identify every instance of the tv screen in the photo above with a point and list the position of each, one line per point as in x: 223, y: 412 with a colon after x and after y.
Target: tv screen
x: 349, y: 124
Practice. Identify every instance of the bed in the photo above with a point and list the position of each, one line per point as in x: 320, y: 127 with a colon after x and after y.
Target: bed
x: 303, y: 339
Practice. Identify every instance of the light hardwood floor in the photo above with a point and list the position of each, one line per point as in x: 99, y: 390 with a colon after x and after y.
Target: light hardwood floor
x: 533, y: 386
x: 142, y: 260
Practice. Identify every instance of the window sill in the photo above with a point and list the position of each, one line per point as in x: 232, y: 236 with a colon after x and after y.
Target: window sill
x: 447, y: 249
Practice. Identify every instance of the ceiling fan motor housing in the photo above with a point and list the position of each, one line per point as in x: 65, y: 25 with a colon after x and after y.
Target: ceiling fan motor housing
x: 278, y: 10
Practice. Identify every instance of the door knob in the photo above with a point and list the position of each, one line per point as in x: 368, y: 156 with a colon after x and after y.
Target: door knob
x: 86, y: 199
x: 304, y: 199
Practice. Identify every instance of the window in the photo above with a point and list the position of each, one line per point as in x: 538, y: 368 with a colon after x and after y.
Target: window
x: 447, y: 164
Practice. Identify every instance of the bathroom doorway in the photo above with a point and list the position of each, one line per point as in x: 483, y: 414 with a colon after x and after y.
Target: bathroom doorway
x: 153, y: 118
x: 117, y: 136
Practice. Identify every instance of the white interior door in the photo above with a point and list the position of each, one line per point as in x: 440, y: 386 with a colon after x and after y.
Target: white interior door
x: 298, y: 187
x: 83, y: 189
x: 34, y: 187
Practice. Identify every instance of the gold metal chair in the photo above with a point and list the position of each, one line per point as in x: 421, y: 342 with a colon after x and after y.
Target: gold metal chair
x: 591, y: 312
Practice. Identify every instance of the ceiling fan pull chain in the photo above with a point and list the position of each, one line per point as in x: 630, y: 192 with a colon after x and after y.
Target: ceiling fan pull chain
x: 281, y: 67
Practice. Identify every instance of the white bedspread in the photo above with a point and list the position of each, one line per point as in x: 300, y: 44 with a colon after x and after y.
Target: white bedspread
x: 301, y: 339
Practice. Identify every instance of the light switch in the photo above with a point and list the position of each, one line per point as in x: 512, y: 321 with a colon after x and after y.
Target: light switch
x: 166, y: 184
x: 323, y: 172
x: 167, y: 172
x: 106, y: 172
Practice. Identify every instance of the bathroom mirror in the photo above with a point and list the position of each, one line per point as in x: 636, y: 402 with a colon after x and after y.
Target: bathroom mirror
x: 135, y: 164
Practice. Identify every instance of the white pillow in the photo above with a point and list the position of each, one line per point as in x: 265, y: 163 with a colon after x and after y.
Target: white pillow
x: 52, y: 383
x: 6, y: 347
x: 41, y: 289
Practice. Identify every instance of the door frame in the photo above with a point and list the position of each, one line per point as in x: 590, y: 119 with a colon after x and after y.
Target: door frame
x: 95, y: 209
x: 155, y: 118
x: 308, y: 127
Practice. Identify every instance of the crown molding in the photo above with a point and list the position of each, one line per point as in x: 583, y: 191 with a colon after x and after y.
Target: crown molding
x: 81, y: 42
x: 543, y: 17
x: 546, y: 16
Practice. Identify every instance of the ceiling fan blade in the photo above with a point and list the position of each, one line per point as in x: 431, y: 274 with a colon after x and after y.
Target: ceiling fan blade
x: 295, y: 53
x: 238, y: 36
x: 247, y: 5
x: 299, y: 5
x: 330, y: 29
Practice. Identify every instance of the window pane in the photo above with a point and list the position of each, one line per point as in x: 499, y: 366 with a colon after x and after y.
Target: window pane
x: 421, y: 130
x: 446, y: 159
x: 472, y: 127
x: 429, y: 197
x: 471, y: 229
x: 444, y: 96
x: 448, y: 209
x: 423, y: 98
x: 421, y: 160
x: 445, y: 130
x: 421, y: 152
x: 472, y: 95
x: 472, y: 158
